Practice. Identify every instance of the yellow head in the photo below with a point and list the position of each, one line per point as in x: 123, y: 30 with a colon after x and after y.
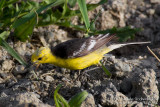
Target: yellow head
x: 41, y: 55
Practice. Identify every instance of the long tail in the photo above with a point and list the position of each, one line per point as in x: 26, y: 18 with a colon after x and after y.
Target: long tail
x: 115, y: 46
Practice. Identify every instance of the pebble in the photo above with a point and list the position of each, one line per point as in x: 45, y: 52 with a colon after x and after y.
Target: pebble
x: 7, y: 65
x: 28, y: 53
x: 121, y: 66
x: 49, y: 78
x: 78, y: 84
x: 151, y: 11
x: 50, y: 37
x: 155, y: 1
x: 142, y: 16
x: 3, y: 74
x: 3, y: 94
x: 140, y: 57
x: 19, y: 69
x: 89, y: 85
x: 20, y: 50
x: 28, y: 45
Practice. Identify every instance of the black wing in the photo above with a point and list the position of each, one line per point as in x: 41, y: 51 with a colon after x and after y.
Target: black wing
x: 80, y: 47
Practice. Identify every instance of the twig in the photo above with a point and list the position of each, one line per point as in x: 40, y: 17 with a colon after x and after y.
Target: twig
x: 153, y: 54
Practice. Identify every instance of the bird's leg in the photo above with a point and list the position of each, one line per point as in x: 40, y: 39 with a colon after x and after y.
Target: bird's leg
x: 99, y: 64
x: 83, y: 72
x: 79, y: 72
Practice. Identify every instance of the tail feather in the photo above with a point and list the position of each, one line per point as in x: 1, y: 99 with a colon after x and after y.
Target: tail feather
x: 115, y: 46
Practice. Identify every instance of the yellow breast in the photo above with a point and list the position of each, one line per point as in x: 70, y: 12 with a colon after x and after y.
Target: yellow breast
x: 81, y: 62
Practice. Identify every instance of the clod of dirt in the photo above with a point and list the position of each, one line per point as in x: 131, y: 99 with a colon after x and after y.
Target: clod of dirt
x: 111, y: 97
x: 122, y: 65
x: 89, y: 101
x: 7, y: 65
x: 21, y: 48
x: 25, y: 99
x: 154, y: 1
x: 144, y: 87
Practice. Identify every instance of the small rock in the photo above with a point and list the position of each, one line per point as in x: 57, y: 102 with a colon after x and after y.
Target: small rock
x: 89, y: 101
x: 28, y: 45
x: 78, y: 84
x: 49, y: 78
x: 142, y: 16
x: 155, y: 1
x: 140, y: 57
x: 79, y: 34
x: 3, y: 74
x: 7, y: 65
x: 65, y: 80
x: 110, y: 57
x: 60, y: 35
x: 151, y: 11
x: 89, y: 85
x: 19, y: 69
x: 148, y: 5
x: 145, y: 56
x: 50, y: 37
x: 21, y: 48
x: 122, y: 66
x: 4, y: 54
x: 28, y: 53
x: 3, y: 94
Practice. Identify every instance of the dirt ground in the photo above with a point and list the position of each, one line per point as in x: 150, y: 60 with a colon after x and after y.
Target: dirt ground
x: 135, y: 72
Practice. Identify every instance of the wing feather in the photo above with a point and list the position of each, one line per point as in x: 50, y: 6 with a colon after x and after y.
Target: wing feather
x: 80, y: 47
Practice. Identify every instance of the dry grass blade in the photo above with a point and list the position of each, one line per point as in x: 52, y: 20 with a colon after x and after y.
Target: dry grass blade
x: 153, y: 54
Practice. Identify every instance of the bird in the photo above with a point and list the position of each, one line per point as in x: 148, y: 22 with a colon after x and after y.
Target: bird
x: 78, y: 53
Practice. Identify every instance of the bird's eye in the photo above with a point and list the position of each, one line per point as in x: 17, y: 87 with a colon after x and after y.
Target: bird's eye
x: 39, y: 58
